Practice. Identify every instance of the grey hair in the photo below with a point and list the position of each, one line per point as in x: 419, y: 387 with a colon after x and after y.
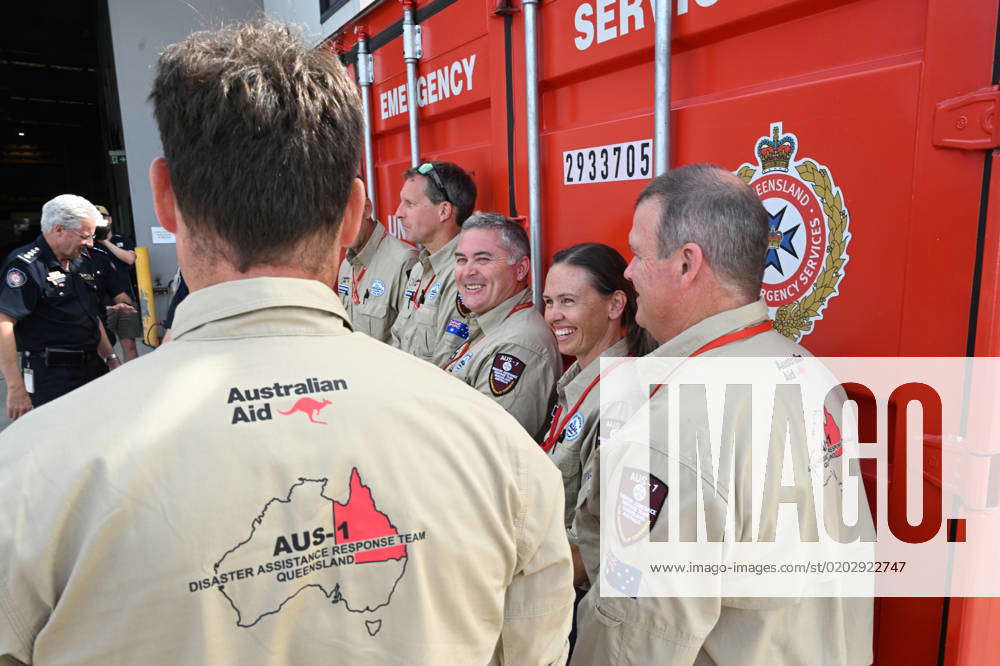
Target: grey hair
x: 709, y: 206
x: 513, y: 238
x: 67, y: 211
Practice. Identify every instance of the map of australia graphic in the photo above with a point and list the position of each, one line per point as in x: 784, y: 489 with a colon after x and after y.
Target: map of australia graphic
x: 349, y: 552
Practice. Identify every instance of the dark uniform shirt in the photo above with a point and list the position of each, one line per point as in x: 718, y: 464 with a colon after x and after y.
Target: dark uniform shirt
x: 53, y: 307
x: 126, y: 271
x: 109, y: 278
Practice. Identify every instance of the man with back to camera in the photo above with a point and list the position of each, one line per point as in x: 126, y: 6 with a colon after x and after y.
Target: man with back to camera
x: 698, y: 237
x: 273, y: 502
x: 511, y: 356
x: 50, y: 310
x: 436, y: 198
x: 126, y: 323
x: 373, y: 277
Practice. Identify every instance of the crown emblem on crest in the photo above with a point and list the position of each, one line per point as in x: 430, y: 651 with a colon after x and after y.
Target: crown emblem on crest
x: 775, y: 153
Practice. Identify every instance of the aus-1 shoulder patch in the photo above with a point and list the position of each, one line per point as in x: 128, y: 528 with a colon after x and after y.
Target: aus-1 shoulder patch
x: 640, y: 500
x: 15, y: 278
x: 460, y: 306
x: 505, y: 372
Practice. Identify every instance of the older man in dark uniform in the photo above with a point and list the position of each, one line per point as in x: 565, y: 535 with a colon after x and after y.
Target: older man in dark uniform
x: 49, y: 310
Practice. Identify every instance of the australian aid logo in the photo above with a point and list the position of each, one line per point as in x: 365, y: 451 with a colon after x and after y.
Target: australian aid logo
x: 808, y: 235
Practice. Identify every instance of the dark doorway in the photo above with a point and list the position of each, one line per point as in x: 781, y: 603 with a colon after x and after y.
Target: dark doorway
x: 60, y: 125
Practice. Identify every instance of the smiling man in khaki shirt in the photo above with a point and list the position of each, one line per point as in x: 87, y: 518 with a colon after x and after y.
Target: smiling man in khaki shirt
x: 511, y: 354
x: 276, y: 501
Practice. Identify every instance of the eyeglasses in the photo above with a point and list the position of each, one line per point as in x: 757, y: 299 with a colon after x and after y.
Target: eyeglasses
x: 427, y: 169
x: 82, y: 236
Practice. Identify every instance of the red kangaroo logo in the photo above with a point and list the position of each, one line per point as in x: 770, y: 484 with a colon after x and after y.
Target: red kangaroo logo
x: 309, y: 407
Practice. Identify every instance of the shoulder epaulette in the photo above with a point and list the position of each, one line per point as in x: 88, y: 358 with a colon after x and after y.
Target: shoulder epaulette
x: 30, y: 255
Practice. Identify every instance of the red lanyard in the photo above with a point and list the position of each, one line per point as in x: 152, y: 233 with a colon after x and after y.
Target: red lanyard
x: 556, y: 428
x: 413, y: 297
x: 354, y: 284
x: 725, y: 340
x: 356, y: 280
x: 468, y: 345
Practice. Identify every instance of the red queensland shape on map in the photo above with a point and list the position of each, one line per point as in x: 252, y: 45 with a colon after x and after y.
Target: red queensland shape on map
x: 364, y: 521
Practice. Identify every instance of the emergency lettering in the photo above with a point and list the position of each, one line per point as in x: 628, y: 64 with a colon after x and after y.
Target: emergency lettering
x: 449, y: 81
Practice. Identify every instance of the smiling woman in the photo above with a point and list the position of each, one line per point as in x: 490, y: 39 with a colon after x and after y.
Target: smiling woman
x: 590, y: 307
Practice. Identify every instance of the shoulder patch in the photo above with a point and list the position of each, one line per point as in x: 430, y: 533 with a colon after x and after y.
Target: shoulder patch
x: 460, y: 306
x: 455, y: 327
x: 15, y: 278
x: 640, y: 500
x: 377, y: 288
x: 506, y: 370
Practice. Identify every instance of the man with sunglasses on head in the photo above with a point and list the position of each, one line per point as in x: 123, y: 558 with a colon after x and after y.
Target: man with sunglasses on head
x: 50, y: 310
x: 436, y: 198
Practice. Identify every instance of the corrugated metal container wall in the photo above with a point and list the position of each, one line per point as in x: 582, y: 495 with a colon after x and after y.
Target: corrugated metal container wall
x: 855, y: 121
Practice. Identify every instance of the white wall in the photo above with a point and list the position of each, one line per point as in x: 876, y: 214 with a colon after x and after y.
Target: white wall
x: 306, y: 14
x: 140, y: 29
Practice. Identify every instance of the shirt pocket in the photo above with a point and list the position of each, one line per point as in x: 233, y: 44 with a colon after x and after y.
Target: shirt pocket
x: 375, y: 306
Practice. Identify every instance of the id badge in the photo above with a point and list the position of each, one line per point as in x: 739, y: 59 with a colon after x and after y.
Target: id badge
x: 29, y: 380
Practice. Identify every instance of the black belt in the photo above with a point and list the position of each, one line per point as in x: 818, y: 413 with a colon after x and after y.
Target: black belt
x: 55, y: 357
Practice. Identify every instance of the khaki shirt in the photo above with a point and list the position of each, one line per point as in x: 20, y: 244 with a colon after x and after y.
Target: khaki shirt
x: 377, y: 275
x: 580, y: 435
x: 432, y: 322
x: 276, y: 501
x: 513, y: 358
x: 678, y: 630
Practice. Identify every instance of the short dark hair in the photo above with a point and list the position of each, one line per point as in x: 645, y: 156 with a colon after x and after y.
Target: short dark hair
x: 605, y: 268
x: 513, y: 237
x: 460, y: 186
x: 709, y: 206
x: 262, y: 137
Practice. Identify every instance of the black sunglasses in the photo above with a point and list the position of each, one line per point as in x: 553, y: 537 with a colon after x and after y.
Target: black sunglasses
x: 427, y: 169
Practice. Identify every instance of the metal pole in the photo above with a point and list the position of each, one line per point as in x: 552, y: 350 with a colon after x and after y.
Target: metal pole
x: 661, y: 109
x: 412, y: 53
x: 534, y: 157
x: 365, y: 77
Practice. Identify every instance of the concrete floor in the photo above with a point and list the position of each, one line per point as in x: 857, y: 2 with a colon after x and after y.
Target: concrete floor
x: 4, y: 421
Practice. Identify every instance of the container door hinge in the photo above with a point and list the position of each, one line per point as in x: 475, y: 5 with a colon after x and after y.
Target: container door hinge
x: 969, y: 122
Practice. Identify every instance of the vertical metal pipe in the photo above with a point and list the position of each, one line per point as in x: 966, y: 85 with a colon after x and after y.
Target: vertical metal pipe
x: 534, y: 156
x: 661, y: 109
x: 412, y: 53
x: 365, y: 77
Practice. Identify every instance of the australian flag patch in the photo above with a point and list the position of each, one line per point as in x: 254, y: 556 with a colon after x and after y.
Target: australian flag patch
x: 455, y: 327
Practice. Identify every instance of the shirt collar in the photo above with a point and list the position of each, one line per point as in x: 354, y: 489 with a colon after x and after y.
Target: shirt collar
x: 319, y: 309
x: 491, y: 320
x: 367, y: 253
x: 711, y: 328
x: 442, y: 260
x: 576, y: 379
x: 48, y: 257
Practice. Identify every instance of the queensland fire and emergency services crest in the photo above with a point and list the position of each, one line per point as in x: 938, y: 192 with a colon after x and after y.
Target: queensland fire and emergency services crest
x: 808, y: 234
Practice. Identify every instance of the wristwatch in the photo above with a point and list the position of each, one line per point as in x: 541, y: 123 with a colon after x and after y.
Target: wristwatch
x: 111, y: 356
